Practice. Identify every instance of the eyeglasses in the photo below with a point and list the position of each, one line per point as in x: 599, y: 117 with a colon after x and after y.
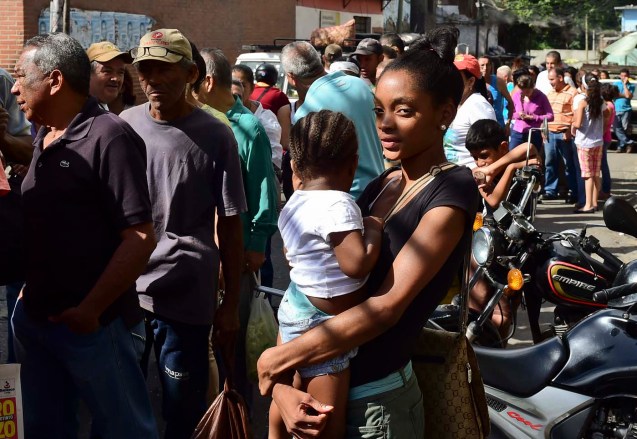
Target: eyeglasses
x: 157, y: 51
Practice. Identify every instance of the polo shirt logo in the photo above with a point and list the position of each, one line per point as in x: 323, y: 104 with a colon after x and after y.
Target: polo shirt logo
x: 64, y: 164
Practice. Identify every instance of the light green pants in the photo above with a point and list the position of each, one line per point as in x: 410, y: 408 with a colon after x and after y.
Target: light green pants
x: 396, y: 414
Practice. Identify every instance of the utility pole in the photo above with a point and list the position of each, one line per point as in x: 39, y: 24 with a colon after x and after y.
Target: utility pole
x: 417, y: 16
x: 586, y: 36
x: 478, y: 19
x: 399, y: 22
x: 60, y: 13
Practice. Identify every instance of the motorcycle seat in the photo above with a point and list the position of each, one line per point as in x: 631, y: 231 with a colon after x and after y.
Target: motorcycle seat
x: 522, y: 372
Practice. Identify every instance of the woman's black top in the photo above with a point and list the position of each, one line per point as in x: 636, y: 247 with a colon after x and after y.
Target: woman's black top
x: 392, y: 349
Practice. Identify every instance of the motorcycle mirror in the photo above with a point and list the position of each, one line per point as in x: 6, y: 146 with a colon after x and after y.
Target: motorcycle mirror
x: 620, y: 216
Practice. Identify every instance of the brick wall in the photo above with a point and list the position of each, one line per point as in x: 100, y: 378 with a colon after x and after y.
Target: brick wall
x: 11, y: 32
x: 226, y: 24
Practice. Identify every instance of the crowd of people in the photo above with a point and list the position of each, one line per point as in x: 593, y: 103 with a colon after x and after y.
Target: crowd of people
x: 146, y: 225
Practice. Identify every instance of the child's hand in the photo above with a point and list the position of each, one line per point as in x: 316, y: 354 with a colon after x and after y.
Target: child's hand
x: 488, y: 172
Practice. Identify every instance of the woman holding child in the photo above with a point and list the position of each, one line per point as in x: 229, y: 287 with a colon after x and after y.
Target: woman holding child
x: 428, y: 207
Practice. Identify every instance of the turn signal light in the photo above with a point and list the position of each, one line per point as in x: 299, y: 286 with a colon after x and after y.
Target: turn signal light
x: 477, y: 222
x: 515, y: 279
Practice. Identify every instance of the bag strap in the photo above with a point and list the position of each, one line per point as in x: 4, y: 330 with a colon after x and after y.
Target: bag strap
x: 419, y: 185
x: 464, y: 293
x: 265, y: 90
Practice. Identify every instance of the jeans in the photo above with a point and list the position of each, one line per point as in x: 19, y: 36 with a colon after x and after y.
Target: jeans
x: 296, y: 316
x: 182, y: 359
x: 59, y: 367
x: 520, y: 138
x: 267, y: 269
x: 606, y: 179
x: 13, y: 291
x: 558, y: 148
x: 581, y: 191
x: 622, y: 128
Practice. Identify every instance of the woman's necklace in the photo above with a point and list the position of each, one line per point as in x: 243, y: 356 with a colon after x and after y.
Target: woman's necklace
x: 419, y: 184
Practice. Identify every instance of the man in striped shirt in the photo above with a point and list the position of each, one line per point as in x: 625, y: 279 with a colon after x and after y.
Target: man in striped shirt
x: 560, y: 142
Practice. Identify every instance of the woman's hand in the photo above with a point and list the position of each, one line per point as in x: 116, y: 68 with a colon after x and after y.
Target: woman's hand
x: 304, y: 416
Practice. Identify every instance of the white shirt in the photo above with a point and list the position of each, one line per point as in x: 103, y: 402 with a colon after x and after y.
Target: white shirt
x: 305, y: 223
x: 476, y: 107
x: 542, y: 82
x: 591, y: 133
x: 273, y: 130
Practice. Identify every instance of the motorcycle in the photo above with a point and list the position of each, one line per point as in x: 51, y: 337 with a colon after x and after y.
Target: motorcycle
x: 580, y: 384
x: 516, y: 259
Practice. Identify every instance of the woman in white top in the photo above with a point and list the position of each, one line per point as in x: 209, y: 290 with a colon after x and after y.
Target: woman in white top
x: 588, y: 129
x: 473, y: 107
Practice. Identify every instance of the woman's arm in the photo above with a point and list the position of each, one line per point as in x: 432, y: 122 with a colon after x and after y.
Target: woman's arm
x: 420, y: 259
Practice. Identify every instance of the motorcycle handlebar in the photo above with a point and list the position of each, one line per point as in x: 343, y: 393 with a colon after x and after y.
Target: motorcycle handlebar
x: 604, y: 296
x: 608, y: 257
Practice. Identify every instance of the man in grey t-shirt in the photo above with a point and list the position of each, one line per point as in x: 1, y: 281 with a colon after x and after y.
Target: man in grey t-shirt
x: 193, y: 173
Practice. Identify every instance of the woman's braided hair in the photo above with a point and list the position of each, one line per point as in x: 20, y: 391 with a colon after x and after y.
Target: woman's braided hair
x: 322, y: 142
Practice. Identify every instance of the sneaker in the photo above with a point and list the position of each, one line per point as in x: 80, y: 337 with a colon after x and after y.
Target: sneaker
x: 549, y: 197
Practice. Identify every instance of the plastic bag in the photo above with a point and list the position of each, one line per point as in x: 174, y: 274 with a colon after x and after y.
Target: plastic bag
x: 226, y: 418
x: 11, y: 415
x: 261, y: 333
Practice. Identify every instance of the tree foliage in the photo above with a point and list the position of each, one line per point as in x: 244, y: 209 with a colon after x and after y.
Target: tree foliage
x: 553, y: 23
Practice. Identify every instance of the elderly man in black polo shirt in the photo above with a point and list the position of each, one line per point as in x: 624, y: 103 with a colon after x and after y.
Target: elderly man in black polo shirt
x: 89, y: 227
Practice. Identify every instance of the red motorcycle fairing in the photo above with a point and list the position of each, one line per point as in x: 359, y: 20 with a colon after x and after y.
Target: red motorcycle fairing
x: 574, y: 284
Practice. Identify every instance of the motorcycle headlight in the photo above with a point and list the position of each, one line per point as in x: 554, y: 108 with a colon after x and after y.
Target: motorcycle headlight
x: 482, y: 246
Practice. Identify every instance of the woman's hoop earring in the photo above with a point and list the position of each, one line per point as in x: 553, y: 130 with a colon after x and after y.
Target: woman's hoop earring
x: 443, y: 127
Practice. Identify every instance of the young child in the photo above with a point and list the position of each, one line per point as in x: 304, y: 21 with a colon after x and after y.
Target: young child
x: 487, y: 144
x: 486, y: 141
x: 329, y: 255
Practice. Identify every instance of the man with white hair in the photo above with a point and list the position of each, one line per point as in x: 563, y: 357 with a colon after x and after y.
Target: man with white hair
x: 336, y: 92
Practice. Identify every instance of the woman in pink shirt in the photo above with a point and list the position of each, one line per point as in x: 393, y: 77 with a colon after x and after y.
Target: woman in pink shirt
x: 532, y: 108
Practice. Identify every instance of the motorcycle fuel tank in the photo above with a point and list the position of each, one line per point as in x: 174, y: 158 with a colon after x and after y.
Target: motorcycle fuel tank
x: 602, y: 357
x: 571, y: 279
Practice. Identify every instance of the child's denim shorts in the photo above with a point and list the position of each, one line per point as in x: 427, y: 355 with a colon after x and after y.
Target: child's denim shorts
x: 297, y: 315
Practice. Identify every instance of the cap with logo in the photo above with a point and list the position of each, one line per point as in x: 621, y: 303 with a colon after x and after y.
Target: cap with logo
x: 105, y: 51
x: 368, y: 46
x: 468, y: 63
x: 176, y: 45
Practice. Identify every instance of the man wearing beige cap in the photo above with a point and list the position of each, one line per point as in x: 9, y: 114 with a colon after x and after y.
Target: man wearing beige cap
x: 108, y: 64
x: 332, y: 53
x: 193, y: 172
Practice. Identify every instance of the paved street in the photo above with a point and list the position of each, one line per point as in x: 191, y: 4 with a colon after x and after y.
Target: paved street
x: 552, y: 216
